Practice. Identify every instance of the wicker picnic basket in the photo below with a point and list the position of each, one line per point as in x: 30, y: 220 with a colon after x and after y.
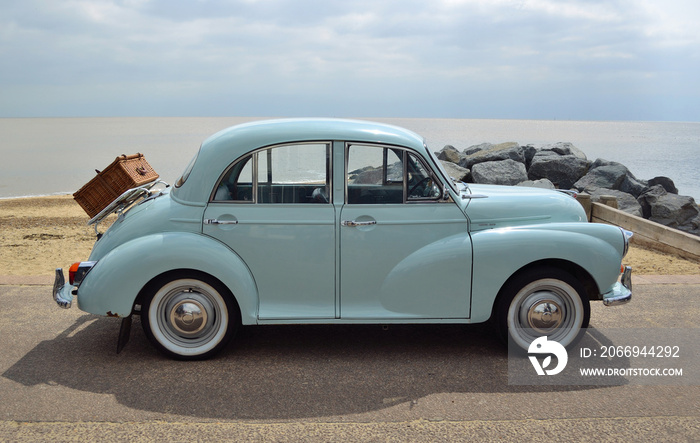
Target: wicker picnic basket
x: 125, y: 172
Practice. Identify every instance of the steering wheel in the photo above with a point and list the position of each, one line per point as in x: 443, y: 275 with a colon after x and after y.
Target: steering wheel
x: 417, y: 185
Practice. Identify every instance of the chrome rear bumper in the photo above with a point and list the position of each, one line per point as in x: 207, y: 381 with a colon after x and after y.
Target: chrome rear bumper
x: 61, y: 291
x: 621, y: 291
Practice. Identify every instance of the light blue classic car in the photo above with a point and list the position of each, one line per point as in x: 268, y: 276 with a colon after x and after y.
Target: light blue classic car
x: 337, y: 221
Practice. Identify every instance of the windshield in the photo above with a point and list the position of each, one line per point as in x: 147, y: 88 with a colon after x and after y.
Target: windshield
x: 449, y: 180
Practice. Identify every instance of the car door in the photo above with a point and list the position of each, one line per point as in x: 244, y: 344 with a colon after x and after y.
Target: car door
x: 272, y: 208
x: 404, y: 250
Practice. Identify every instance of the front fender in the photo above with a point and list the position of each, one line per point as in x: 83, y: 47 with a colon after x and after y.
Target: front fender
x: 500, y: 253
x: 111, y: 286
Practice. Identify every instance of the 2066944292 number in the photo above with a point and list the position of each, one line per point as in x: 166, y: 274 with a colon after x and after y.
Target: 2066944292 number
x: 657, y: 351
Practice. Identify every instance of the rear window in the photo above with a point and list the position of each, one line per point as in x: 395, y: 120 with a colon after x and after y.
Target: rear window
x: 183, y: 178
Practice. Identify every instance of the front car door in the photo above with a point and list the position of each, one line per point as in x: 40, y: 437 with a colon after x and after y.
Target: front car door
x: 405, y: 252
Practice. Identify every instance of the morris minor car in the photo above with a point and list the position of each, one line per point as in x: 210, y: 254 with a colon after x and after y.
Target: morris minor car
x: 330, y: 221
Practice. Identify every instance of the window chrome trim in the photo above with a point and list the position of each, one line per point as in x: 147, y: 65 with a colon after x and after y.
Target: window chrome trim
x: 448, y: 181
x: 432, y: 175
x: 405, y: 151
x: 254, y: 164
x: 233, y: 164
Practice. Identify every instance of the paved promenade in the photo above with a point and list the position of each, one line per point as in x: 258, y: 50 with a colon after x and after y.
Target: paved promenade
x: 61, y: 380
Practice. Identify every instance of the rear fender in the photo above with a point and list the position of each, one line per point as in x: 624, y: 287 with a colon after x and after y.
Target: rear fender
x: 112, y: 285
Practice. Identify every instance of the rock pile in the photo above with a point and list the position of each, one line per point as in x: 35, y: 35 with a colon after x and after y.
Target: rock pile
x: 563, y: 166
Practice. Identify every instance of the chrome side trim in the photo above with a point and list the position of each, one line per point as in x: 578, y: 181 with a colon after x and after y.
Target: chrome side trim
x: 59, y: 290
x: 352, y: 223
x: 213, y: 221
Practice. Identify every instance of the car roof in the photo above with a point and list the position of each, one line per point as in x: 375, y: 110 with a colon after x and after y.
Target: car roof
x: 243, y: 138
x: 224, y: 147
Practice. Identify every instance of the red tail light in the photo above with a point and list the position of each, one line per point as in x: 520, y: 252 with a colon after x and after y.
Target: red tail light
x: 78, y: 271
x: 71, y: 272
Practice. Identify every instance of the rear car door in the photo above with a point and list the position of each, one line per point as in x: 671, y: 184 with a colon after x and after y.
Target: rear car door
x: 272, y: 208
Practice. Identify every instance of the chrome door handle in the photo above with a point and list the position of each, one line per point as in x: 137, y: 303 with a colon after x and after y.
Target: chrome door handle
x: 213, y: 221
x: 353, y: 223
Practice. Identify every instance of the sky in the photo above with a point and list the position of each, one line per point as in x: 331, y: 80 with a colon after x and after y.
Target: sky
x: 504, y: 59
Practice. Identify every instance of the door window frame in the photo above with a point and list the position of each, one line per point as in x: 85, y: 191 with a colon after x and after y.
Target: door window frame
x: 405, y: 152
x: 252, y: 157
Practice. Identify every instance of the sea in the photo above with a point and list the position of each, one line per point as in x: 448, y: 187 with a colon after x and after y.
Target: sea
x: 48, y: 156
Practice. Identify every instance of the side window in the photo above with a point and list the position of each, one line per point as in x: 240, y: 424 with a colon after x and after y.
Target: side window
x: 296, y: 173
x: 375, y: 174
x: 237, y: 183
x: 421, y: 183
x: 380, y: 175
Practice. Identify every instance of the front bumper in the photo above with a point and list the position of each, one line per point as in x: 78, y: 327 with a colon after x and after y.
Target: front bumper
x: 62, y: 293
x: 621, y: 291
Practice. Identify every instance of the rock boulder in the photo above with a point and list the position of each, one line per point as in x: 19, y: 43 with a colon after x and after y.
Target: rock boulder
x: 625, y: 202
x: 493, y: 153
x: 455, y: 171
x: 502, y: 172
x: 449, y: 153
x: 673, y: 210
x: 541, y: 183
x: 666, y: 182
x: 562, y: 170
x: 564, y: 148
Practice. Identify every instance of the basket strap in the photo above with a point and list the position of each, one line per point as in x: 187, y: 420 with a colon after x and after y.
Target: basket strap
x: 108, y: 187
x: 130, y: 157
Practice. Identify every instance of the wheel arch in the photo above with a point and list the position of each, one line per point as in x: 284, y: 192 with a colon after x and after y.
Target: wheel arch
x: 576, y: 271
x: 188, y: 314
x: 155, y: 283
x: 524, y: 291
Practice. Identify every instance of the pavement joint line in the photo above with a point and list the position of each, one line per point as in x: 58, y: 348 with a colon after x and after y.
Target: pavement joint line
x: 47, y: 280
x: 320, y: 422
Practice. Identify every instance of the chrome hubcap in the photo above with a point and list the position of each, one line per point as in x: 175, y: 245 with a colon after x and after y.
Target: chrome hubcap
x: 189, y: 314
x: 544, y: 315
x: 188, y: 317
x: 543, y: 312
x: 546, y: 307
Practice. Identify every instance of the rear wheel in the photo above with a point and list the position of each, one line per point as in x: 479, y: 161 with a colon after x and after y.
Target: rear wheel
x: 543, y: 302
x: 189, y: 317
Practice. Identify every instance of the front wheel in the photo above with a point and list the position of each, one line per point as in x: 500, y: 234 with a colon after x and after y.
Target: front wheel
x: 543, y: 302
x: 189, y: 317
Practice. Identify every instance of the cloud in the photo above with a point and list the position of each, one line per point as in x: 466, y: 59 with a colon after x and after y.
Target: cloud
x: 456, y: 58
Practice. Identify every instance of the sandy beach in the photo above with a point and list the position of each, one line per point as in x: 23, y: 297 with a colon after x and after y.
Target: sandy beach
x: 39, y: 234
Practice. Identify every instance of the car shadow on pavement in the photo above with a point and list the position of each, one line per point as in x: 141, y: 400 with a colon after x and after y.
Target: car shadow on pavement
x: 277, y: 372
